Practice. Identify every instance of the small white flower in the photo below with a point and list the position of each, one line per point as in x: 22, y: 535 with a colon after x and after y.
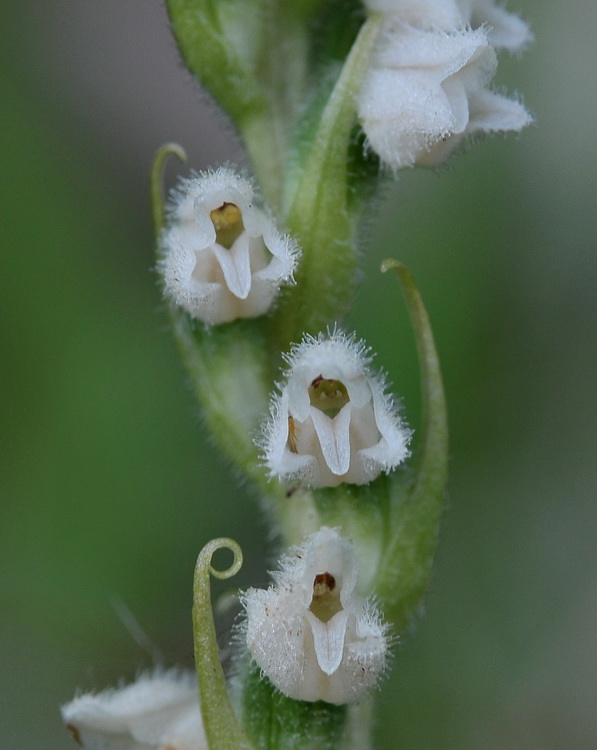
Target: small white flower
x: 332, y: 422
x: 222, y: 257
x: 426, y: 89
x: 312, y: 635
x: 158, y: 712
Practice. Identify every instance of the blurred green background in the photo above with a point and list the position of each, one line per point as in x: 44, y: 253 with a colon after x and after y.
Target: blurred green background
x: 108, y: 485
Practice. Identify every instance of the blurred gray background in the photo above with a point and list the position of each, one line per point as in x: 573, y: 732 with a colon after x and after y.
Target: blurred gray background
x: 108, y: 486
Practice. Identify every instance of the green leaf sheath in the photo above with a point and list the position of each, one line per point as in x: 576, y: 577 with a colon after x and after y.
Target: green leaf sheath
x: 320, y: 216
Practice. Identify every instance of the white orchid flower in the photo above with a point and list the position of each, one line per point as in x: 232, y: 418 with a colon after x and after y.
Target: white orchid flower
x: 427, y: 90
x: 223, y: 257
x: 332, y: 421
x: 159, y: 711
x: 311, y: 634
x: 427, y: 87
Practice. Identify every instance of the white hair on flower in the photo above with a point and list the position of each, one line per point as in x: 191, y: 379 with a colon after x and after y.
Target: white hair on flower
x: 310, y: 633
x: 332, y: 420
x: 222, y: 257
x: 426, y: 89
x: 158, y: 711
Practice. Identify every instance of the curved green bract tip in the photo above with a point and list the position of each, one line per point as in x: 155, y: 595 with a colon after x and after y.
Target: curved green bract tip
x: 221, y: 725
x: 157, y: 180
x: 416, y: 514
x: 435, y: 418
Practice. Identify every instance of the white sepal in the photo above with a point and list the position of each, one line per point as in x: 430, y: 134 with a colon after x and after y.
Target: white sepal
x: 222, y: 257
x: 311, y: 633
x: 158, y: 711
x: 332, y: 421
x: 504, y: 30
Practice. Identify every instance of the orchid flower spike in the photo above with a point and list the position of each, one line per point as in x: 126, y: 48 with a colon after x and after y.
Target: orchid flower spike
x: 160, y: 710
x: 222, y: 257
x: 310, y: 633
x: 427, y: 87
x: 332, y: 421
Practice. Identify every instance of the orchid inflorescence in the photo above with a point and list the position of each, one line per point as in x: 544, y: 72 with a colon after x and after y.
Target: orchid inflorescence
x: 329, y: 98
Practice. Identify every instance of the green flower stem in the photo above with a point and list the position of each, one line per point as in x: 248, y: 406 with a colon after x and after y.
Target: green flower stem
x: 320, y: 216
x: 417, y: 507
x: 230, y: 374
x: 267, y: 132
x: 275, y: 722
x: 222, y: 728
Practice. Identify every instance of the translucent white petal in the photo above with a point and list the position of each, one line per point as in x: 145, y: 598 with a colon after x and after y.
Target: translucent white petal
x: 328, y: 638
x: 236, y: 266
x: 334, y: 438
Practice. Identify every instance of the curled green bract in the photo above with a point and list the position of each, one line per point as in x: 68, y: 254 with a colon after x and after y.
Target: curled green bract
x: 157, y: 180
x: 416, y: 512
x: 221, y: 725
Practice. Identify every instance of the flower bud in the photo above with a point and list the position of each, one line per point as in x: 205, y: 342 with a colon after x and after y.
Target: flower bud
x: 311, y: 634
x: 222, y: 258
x: 158, y: 711
x: 332, y: 422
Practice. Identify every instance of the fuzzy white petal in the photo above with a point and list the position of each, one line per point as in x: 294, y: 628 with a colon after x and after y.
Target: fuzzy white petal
x: 305, y: 655
x: 156, y: 712
x: 218, y: 283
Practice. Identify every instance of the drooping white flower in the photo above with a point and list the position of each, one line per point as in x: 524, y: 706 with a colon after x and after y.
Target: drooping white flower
x: 223, y: 257
x: 427, y: 87
x: 332, y: 421
x: 311, y: 633
x: 159, y: 711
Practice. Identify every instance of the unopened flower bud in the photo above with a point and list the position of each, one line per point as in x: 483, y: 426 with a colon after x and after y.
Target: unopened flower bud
x: 332, y: 421
x: 311, y: 634
x: 158, y: 711
x: 222, y: 257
